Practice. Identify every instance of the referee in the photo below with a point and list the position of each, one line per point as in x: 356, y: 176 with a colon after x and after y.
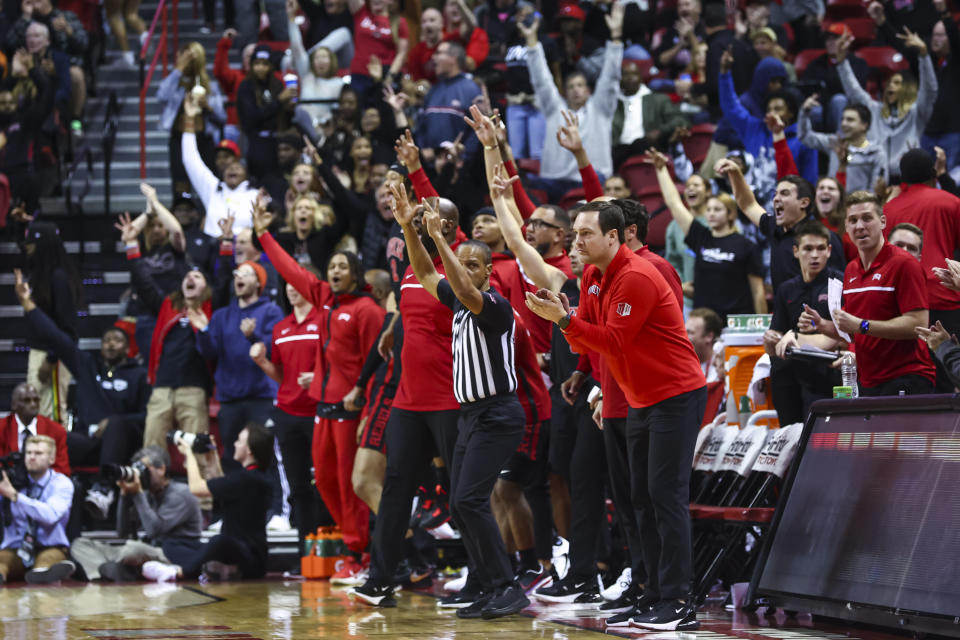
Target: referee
x: 485, y: 384
x: 630, y: 316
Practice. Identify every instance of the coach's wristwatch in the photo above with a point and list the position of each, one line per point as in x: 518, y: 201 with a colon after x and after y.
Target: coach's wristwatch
x: 564, y: 322
x: 864, y: 326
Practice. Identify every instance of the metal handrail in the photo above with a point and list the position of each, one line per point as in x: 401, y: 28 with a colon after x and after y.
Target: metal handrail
x: 111, y: 123
x: 146, y: 75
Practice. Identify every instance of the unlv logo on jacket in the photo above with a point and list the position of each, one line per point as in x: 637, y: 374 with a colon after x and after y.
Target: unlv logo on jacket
x: 623, y: 309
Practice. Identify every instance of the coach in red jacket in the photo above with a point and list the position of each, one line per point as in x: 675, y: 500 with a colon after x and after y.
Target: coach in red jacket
x: 24, y: 421
x: 630, y: 316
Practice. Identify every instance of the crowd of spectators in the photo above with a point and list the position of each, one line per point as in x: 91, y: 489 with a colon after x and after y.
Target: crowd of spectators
x: 774, y: 149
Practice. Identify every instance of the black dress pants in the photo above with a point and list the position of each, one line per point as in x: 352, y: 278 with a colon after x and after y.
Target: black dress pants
x: 490, y: 431
x: 413, y: 439
x: 294, y: 437
x: 618, y: 471
x: 660, y: 445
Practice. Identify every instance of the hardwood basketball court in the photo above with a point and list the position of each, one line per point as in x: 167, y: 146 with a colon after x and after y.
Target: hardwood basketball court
x: 287, y: 610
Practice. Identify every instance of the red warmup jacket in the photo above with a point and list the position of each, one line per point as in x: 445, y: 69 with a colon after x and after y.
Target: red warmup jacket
x: 350, y: 323
x: 937, y: 213
x: 630, y: 316
x: 10, y: 440
x: 295, y: 347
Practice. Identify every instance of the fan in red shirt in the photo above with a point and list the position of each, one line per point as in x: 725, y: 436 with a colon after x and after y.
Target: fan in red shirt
x: 884, y: 301
x: 350, y: 323
x: 376, y: 34
x: 295, y: 343
x: 630, y: 316
x: 937, y: 213
x: 420, y: 64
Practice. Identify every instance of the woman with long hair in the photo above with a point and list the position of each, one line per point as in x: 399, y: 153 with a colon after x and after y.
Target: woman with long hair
x: 57, y: 290
x: 312, y: 232
x: 728, y: 274
x: 830, y: 204
x: 190, y: 75
x: 899, y: 119
x: 317, y: 70
x: 175, y: 368
x: 264, y: 106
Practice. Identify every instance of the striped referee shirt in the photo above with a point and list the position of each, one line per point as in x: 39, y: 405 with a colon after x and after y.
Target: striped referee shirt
x: 483, y: 349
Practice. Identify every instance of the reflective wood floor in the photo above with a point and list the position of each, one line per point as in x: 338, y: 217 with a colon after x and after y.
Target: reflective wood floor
x: 286, y: 610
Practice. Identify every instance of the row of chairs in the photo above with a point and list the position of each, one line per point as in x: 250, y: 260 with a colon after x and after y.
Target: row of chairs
x: 735, y: 484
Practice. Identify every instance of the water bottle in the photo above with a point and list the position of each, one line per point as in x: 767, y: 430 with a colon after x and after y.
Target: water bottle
x: 848, y: 372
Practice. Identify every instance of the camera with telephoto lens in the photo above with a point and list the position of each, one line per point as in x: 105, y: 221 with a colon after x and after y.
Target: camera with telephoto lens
x: 199, y: 442
x: 128, y: 473
x: 13, y: 465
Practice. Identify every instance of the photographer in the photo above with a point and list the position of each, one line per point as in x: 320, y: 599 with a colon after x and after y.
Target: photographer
x: 244, y: 497
x: 35, y: 541
x: 166, y: 511
x: 24, y: 422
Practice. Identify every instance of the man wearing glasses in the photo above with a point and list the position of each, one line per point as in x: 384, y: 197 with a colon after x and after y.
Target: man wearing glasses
x: 546, y: 231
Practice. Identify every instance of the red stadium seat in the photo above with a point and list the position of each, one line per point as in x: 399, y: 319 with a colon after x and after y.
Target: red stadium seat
x: 864, y: 30
x: 839, y: 10
x: 805, y: 57
x: 646, y: 68
x: 885, y: 59
x: 640, y: 176
x: 698, y: 142
x: 529, y: 165
x: 539, y: 196
x: 657, y: 229
x: 572, y: 197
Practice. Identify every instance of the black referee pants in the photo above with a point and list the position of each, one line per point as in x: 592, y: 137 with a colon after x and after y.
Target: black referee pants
x: 413, y: 439
x: 660, y: 444
x: 618, y: 469
x: 490, y: 431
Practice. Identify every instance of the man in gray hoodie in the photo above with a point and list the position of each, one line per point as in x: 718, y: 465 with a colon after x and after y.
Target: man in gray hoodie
x: 864, y: 161
x: 558, y: 169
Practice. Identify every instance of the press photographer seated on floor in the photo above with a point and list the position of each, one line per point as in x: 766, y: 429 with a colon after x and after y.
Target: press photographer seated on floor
x: 35, y: 508
x: 166, y: 512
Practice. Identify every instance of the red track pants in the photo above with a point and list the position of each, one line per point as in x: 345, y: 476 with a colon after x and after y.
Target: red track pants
x: 334, y: 448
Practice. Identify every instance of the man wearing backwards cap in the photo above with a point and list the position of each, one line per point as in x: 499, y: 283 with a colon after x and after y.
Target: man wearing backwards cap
x: 245, y: 392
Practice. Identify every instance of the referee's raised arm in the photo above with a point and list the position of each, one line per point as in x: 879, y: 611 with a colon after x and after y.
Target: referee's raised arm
x: 420, y: 260
x: 466, y: 288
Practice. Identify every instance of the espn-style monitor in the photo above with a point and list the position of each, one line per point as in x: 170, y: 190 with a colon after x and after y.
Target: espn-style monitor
x: 868, y: 527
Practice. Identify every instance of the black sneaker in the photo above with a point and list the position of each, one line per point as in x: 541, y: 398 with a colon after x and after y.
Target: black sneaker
x: 507, y: 601
x: 530, y: 579
x: 463, y: 598
x: 626, y: 618
x: 475, y: 608
x: 669, y: 615
x: 118, y: 572
x: 375, y: 595
x: 54, y: 573
x: 584, y: 593
x: 626, y: 601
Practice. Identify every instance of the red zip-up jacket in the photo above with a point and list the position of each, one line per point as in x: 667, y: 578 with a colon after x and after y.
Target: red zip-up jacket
x: 349, y: 325
x: 629, y: 315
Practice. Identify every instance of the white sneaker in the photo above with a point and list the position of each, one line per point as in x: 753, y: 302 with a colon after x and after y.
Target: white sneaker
x: 278, y: 523
x: 159, y: 571
x: 621, y: 584
x: 215, y: 527
x: 444, y: 532
x: 561, y: 557
x: 456, y: 584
